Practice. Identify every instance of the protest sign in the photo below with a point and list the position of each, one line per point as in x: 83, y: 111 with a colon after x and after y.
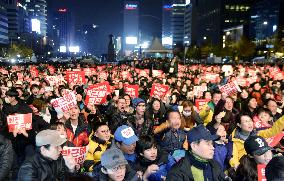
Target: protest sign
x: 96, y: 94
x: 34, y: 72
x: 19, y: 121
x: 131, y: 90
x: 159, y: 90
x: 200, y: 103
x: 230, y: 88
x: 261, y: 172
x: 157, y: 73
x: 65, y: 103
x: 103, y: 75
x: 54, y: 80
x: 75, y: 77
x: 78, y: 153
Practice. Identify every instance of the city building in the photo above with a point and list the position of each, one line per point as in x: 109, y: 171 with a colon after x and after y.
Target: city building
x: 187, y: 23
x: 130, y: 26
x: 63, y: 29
x: 211, y: 19
x: 267, y: 19
x: 37, y: 10
x: 167, y: 37
x: 4, y: 39
x: 177, y: 21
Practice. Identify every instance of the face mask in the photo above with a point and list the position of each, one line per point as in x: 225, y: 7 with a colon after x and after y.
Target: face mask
x: 7, y: 100
x: 46, y: 118
x: 62, y: 136
x: 186, y: 114
x: 9, y: 84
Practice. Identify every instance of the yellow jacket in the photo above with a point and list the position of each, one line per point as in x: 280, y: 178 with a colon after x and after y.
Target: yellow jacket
x: 205, y: 115
x: 96, y: 149
x: 238, y: 144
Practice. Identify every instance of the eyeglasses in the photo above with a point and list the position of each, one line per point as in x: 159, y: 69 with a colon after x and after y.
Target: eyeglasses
x: 115, y: 169
x: 105, y: 131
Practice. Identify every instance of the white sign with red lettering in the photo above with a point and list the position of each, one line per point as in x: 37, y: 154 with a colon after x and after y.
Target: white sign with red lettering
x: 19, y: 121
x: 65, y: 103
x: 230, y: 88
x: 78, y: 153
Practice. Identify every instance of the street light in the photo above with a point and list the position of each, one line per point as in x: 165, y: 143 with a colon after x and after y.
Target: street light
x: 265, y: 23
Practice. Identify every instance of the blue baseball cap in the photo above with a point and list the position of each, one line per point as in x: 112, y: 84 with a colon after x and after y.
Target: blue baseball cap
x: 200, y: 133
x: 125, y: 134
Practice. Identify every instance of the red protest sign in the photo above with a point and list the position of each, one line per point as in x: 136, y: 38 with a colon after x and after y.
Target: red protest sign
x: 75, y: 77
x: 159, y: 90
x: 230, y: 88
x: 78, y: 153
x: 199, y: 103
x: 89, y: 71
x: 131, y: 90
x: 157, y: 73
x: 257, y: 123
x: 19, y: 121
x: 34, y: 72
x: 65, y: 103
x: 142, y: 72
x: 261, y: 172
x: 273, y: 141
x: 96, y: 94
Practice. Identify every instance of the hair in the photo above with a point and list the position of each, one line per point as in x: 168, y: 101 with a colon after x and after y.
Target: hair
x: 34, y: 86
x: 120, y: 97
x: 37, y: 149
x: 247, y: 170
x: 238, y: 120
x: 55, y: 125
x: 274, y: 169
x: 145, y: 142
x: 12, y: 92
x: 268, y: 100
x: 172, y: 111
x: 265, y: 110
x: 196, y: 142
x: 77, y: 177
x: 216, y: 92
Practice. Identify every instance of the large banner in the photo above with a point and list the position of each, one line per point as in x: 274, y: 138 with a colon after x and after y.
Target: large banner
x: 19, y: 121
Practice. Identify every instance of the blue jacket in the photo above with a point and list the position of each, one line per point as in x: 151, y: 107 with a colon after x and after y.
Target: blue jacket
x: 165, y: 161
x: 223, y: 154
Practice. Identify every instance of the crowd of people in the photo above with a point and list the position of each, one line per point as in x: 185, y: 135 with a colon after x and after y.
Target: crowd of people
x: 166, y: 134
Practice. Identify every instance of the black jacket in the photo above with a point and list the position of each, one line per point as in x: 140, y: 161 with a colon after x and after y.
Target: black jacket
x: 6, y: 157
x: 39, y: 168
x: 182, y: 171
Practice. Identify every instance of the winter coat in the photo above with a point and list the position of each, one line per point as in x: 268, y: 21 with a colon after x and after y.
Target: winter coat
x: 205, y: 115
x: 182, y: 171
x: 118, y: 119
x: 80, y: 137
x: 165, y: 161
x: 6, y: 157
x: 223, y: 154
x: 39, y: 168
x: 238, y: 143
x: 96, y: 148
x: 172, y: 140
x: 145, y: 129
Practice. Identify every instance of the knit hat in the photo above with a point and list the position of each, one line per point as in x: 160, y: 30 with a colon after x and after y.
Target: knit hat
x: 137, y: 101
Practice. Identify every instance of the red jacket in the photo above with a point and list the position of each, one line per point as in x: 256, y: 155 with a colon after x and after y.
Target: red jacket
x: 80, y: 137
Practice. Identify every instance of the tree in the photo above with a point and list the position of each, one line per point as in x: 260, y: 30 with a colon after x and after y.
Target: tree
x: 22, y: 50
x: 245, y: 48
x: 193, y: 53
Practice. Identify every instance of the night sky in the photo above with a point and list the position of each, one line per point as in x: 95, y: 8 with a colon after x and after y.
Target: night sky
x: 108, y: 15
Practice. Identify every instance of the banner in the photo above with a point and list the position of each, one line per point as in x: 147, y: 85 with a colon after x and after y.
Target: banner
x: 261, y: 172
x: 65, y: 103
x: 19, y: 121
x: 97, y: 94
x: 230, y: 88
x: 200, y: 103
x: 159, y: 90
x: 88, y: 71
x: 131, y: 90
x: 78, y: 153
x: 75, y: 77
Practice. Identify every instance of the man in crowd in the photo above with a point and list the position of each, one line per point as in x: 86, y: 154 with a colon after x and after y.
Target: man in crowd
x: 198, y: 164
x: 47, y: 163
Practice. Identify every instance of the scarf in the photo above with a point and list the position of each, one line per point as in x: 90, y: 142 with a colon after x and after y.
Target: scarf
x: 201, y: 164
